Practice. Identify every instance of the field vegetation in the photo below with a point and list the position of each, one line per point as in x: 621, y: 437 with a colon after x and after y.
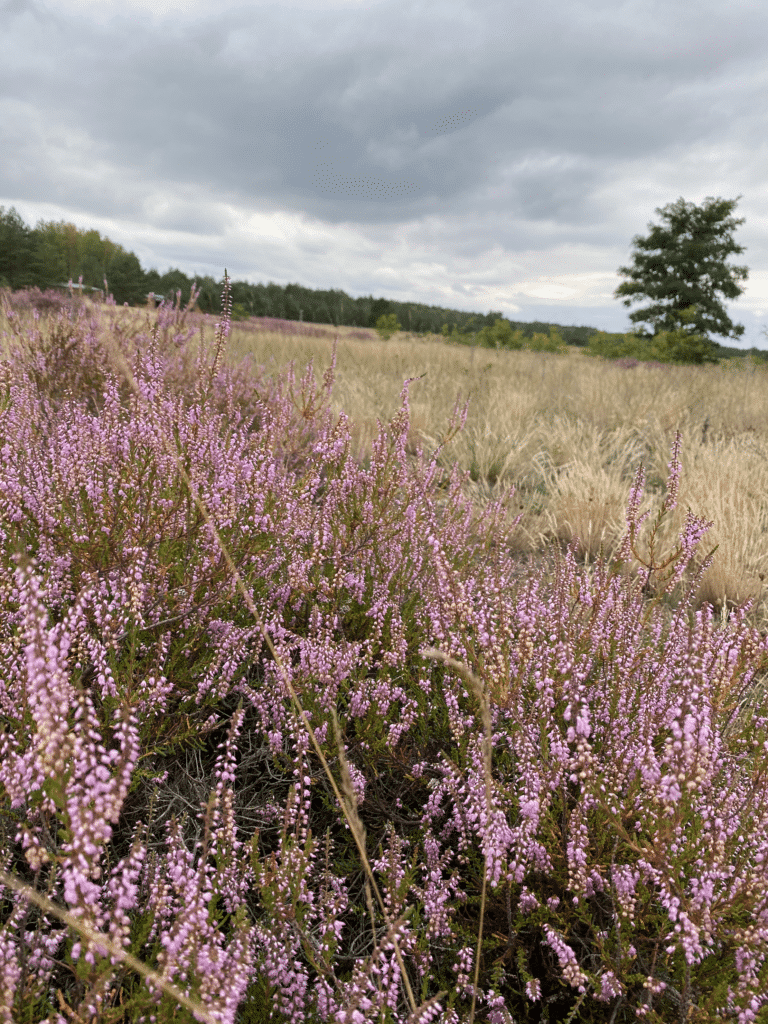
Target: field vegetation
x: 360, y: 680
x: 566, y: 431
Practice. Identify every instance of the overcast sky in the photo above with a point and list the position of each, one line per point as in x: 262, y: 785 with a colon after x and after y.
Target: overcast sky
x: 477, y: 155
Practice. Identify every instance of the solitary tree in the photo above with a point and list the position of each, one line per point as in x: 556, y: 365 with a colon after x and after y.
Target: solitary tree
x: 16, y: 250
x: 681, y: 266
x: 126, y: 279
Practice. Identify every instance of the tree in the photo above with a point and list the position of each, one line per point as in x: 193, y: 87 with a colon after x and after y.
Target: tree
x: 172, y: 282
x: 152, y: 281
x: 126, y: 279
x: 209, y: 295
x: 379, y: 308
x: 683, y: 265
x: 16, y: 249
x: 92, y: 258
x: 49, y: 259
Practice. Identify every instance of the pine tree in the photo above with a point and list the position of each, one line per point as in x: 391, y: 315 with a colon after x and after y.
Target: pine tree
x: 681, y: 267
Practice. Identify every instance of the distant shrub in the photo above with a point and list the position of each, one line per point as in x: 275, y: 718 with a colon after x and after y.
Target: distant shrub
x: 500, y: 335
x: 387, y: 325
x: 680, y: 346
x: 552, y: 342
x: 239, y: 312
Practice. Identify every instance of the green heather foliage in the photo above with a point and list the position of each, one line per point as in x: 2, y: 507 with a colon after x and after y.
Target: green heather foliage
x: 317, y: 797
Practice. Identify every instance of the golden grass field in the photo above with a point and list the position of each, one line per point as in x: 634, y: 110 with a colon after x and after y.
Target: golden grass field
x: 567, y: 431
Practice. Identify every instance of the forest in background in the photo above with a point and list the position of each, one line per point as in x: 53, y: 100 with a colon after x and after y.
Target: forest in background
x: 54, y: 253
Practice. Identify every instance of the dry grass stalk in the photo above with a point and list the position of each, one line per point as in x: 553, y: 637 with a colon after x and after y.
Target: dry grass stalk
x: 104, y: 941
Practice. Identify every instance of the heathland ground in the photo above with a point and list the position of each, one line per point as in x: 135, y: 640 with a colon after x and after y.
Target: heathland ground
x: 567, y: 432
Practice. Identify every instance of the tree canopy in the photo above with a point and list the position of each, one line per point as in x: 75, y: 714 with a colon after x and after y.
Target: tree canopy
x: 682, y: 266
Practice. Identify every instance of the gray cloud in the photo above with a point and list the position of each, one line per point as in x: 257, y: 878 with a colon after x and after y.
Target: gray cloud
x: 481, y: 155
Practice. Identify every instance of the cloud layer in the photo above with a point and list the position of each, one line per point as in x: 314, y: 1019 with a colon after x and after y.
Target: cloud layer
x: 479, y: 155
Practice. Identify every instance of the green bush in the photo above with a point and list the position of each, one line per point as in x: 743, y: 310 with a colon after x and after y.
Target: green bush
x: 387, y: 325
x: 681, y: 346
x: 552, y: 342
x: 500, y: 335
x: 239, y: 312
x: 616, y: 346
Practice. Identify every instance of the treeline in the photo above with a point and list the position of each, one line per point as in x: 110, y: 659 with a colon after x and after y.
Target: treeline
x: 53, y: 253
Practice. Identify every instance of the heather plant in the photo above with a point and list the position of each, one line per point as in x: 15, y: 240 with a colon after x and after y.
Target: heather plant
x: 45, y: 301
x: 285, y: 735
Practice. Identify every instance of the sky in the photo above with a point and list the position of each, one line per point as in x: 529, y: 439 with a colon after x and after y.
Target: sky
x: 472, y: 154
